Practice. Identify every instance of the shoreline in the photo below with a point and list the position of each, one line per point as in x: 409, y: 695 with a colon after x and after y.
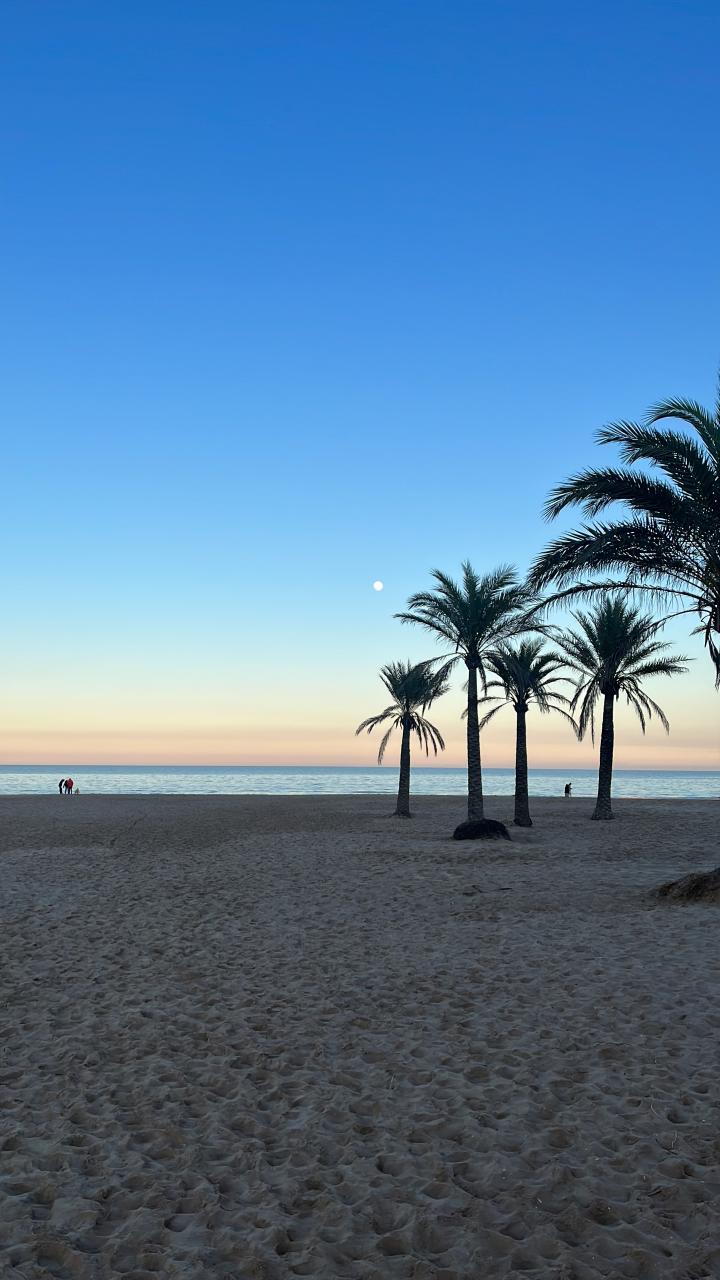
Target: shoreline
x: 416, y: 798
x: 420, y: 799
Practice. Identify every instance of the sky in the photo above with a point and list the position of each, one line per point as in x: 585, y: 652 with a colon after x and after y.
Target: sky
x: 300, y: 295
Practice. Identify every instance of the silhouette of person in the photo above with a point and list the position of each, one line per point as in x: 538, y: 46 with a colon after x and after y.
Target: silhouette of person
x: 568, y: 789
x: 69, y: 786
x: 61, y: 785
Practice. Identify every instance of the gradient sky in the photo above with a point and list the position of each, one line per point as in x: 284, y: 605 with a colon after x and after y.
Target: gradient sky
x: 300, y: 295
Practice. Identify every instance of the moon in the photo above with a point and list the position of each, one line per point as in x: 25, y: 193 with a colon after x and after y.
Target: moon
x: 378, y: 585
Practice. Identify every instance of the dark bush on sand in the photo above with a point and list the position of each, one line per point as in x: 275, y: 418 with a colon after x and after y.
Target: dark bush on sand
x: 701, y: 886
x: 481, y: 829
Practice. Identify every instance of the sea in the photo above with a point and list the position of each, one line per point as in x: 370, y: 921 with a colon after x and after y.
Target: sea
x: 316, y: 780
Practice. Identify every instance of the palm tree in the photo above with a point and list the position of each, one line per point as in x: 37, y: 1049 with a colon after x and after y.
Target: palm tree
x: 472, y: 618
x: 667, y: 546
x: 614, y: 650
x: 525, y: 675
x: 412, y: 689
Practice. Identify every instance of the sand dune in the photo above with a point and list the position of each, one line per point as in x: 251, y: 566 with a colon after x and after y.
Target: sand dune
x: 257, y: 1038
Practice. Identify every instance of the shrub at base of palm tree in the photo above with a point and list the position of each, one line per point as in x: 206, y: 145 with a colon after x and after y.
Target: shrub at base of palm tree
x: 481, y: 829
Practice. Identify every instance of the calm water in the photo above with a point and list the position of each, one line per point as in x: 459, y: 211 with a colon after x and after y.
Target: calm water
x: 321, y: 780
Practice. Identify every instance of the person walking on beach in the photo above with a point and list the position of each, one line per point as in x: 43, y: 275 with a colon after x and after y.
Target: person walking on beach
x: 568, y: 789
x: 61, y: 785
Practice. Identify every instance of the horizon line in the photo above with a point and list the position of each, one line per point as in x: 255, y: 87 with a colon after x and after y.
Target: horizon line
x: 380, y: 767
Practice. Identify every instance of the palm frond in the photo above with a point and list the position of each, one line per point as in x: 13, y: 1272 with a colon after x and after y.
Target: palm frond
x: 635, y: 545
x: 488, y: 715
x: 384, y: 742
x: 694, y: 414
x: 674, y: 452
x: 586, y: 695
x: 595, y: 489
x: 661, y: 667
x: 429, y: 736
x: 373, y: 721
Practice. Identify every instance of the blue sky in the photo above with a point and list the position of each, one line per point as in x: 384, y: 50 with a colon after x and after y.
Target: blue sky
x: 299, y: 295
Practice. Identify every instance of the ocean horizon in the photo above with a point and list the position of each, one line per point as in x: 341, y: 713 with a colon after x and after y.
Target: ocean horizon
x: 689, y: 784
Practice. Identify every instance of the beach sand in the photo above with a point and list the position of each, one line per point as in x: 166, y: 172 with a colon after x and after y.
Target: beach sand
x: 249, y: 1037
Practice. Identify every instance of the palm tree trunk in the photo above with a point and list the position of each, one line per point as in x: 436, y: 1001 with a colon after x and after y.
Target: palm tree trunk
x: 475, y: 787
x: 603, y: 806
x: 522, y: 803
x: 402, y: 809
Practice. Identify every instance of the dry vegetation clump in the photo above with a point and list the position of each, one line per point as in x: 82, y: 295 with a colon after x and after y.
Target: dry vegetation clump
x: 700, y: 886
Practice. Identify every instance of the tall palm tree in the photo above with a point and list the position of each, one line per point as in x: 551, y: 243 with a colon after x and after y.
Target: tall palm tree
x: 472, y: 617
x: 668, y: 544
x: 614, y: 650
x: 526, y: 676
x: 413, y: 689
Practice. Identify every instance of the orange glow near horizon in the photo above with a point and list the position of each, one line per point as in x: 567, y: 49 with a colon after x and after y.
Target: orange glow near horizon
x: 335, y: 745
x: 222, y: 721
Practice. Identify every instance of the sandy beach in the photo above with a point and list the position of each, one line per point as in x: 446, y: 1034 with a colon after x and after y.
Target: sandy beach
x: 264, y: 1038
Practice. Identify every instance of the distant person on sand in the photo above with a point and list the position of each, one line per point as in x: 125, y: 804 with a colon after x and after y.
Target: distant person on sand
x: 61, y: 785
x: 568, y: 789
x: 69, y: 784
